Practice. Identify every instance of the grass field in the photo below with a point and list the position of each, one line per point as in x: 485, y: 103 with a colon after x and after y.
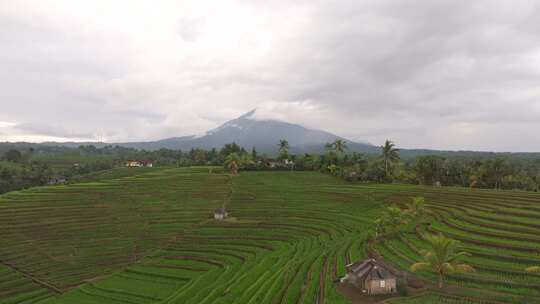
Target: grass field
x: 150, y: 238
x: 115, y: 173
x: 68, y: 160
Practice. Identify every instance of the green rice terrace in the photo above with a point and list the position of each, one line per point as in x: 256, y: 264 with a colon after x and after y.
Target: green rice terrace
x: 151, y: 237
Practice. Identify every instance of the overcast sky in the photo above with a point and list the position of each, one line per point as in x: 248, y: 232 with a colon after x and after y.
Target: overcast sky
x: 430, y: 74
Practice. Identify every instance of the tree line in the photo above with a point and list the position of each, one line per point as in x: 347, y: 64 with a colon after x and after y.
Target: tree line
x: 18, y: 171
x: 388, y: 166
x: 495, y: 172
x: 36, y: 164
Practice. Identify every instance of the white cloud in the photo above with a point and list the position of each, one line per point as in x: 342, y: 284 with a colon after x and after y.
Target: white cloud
x: 5, y: 124
x: 442, y: 74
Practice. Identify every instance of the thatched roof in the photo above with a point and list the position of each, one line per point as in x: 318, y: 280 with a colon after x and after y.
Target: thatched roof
x: 369, y: 270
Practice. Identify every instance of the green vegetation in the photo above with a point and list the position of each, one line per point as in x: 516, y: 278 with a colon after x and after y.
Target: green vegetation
x: 14, y: 176
x: 147, y: 235
x: 283, y: 149
x: 391, y: 222
x: 390, y: 156
x: 416, y: 210
x: 533, y: 269
x: 442, y: 258
x: 151, y: 238
x: 510, y: 171
x: 499, y: 230
x: 433, y: 298
x: 338, y: 146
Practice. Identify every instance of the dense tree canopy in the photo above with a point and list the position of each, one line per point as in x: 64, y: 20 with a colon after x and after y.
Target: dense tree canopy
x: 13, y: 156
x: 20, y: 166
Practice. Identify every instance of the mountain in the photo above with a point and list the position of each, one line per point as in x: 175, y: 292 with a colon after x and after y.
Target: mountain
x: 264, y: 135
x: 249, y: 132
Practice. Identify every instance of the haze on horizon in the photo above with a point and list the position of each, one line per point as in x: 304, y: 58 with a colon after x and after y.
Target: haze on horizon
x: 462, y: 75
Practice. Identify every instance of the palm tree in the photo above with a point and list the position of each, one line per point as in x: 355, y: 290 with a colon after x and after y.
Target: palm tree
x: 232, y: 162
x: 246, y: 161
x: 442, y: 258
x: 417, y: 209
x: 332, y: 169
x: 390, y: 155
x: 339, y: 146
x: 283, y: 147
x: 391, y: 221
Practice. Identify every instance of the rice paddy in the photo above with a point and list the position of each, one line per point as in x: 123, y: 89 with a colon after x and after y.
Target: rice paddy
x: 150, y: 237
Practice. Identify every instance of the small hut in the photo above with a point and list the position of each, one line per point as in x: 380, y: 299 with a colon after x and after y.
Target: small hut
x: 139, y: 163
x: 220, y: 214
x: 57, y: 180
x: 371, y: 277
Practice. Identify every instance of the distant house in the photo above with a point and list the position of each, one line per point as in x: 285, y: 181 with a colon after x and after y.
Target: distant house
x: 272, y: 164
x: 370, y: 277
x: 285, y: 164
x: 351, y: 176
x: 220, y: 214
x: 139, y: 163
x: 289, y: 163
x: 57, y: 180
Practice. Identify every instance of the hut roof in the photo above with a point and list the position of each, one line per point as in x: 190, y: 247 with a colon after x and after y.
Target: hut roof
x: 370, y: 270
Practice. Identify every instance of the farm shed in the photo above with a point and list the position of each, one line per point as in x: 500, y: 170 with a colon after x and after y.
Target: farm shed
x: 139, y: 163
x: 371, y: 277
x: 57, y: 180
x: 220, y: 214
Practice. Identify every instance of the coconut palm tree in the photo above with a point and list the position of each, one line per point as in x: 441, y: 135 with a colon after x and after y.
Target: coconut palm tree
x: 442, y: 258
x: 391, y: 221
x: 232, y: 162
x: 390, y: 155
x: 417, y: 209
x: 246, y: 160
x: 283, y: 147
x: 339, y: 146
x: 333, y: 169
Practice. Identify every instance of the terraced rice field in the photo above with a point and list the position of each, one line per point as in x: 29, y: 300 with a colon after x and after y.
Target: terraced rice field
x: 151, y: 238
x: 64, y: 236
x: 500, y: 228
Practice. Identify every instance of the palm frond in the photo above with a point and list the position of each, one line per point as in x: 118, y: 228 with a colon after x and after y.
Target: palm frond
x: 458, y: 255
x: 419, y: 266
x: 462, y: 268
x: 533, y: 269
x: 448, y: 267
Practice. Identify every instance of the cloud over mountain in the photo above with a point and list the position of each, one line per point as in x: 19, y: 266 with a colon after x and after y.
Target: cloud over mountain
x: 250, y: 130
x: 444, y: 74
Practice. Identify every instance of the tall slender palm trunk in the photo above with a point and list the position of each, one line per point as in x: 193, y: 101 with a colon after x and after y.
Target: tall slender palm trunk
x: 386, y: 167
